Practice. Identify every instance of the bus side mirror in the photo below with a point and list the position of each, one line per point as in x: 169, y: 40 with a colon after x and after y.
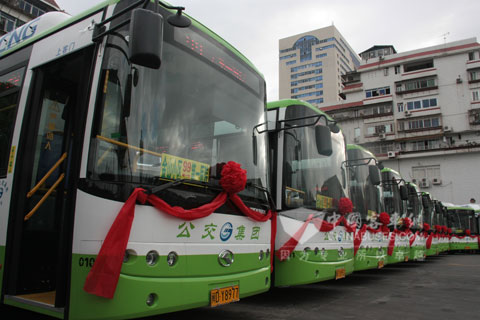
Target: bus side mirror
x: 323, y: 139
x: 374, y: 174
x: 146, y: 38
x: 403, y: 192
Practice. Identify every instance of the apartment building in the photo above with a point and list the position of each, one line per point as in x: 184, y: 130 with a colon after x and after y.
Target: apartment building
x: 14, y: 13
x: 419, y: 112
x: 311, y: 65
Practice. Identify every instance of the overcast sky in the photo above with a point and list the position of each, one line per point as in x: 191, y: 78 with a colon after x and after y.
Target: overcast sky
x: 255, y: 26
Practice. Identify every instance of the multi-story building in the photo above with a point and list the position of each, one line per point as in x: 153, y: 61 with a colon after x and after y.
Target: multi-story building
x: 14, y: 13
x: 419, y: 112
x: 311, y: 65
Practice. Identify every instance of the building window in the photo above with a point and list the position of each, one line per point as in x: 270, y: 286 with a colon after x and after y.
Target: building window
x: 313, y: 86
x: 418, y: 84
x: 288, y: 56
x: 474, y: 116
x: 8, y: 23
x: 418, y: 104
x: 381, y: 148
x: 377, y: 92
x: 475, y: 95
x: 474, y: 75
x: 375, y: 130
x: 301, y: 74
x: 418, y: 66
x: 30, y: 8
x: 378, y: 110
x: 305, y: 66
x: 385, y: 71
x: 471, y: 55
x: 313, y: 79
x: 397, y: 69
x: 290, y: 62
x: 316, y: 101
x: 400, y: 107
x: 418, y: 124
x: 356, y: 132
x: 425, y: 145
x: 303, y: 95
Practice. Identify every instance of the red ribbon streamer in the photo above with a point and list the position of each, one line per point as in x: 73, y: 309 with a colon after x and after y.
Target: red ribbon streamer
x: 284, y: 252
x: 357, y: 241
x: 103, y: 278
x: 428, y: 243
x: 413, y: 237
x: 391, y: 243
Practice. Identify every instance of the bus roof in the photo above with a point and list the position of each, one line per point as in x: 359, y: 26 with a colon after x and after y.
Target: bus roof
x: 294, y: 102
x: 413, y: 184
x: 357, y: 147
x: 392, y: 171
x: 460, y: 208
x: 68, y: 20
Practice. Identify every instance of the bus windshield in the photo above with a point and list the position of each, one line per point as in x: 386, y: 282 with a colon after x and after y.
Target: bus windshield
x: 429, y: 210
x: 467, y: 220
x: 393, y: 201
x: 414, y: 207
x: 186, y: 119
x: 312, y: 180
x: 366, y: 197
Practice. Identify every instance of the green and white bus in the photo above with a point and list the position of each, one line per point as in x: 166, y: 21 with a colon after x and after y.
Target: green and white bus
x: 313, y: 240
x: 432, y: 238
x: 415, y: 209
x: 395, y: 197
x: 368, y: 204
x: 464, y: 228
x: 129, y: 106
x: 441, y: 223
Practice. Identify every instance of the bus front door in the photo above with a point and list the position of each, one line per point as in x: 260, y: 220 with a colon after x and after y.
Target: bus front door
x: 41, y: 217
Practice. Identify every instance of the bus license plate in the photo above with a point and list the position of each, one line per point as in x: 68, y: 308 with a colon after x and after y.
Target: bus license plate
x: 224, y: 295
x: 381, y: 264
x: 339, y: 273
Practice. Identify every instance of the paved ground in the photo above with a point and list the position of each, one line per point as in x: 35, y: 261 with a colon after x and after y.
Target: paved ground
x: 442, y: 287
x: 439, y: 288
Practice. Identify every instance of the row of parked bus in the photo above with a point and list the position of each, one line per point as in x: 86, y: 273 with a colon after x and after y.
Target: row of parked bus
x: 142, y: 172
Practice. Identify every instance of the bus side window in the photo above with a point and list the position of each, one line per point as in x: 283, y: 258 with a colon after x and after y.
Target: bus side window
x: 9, y: 91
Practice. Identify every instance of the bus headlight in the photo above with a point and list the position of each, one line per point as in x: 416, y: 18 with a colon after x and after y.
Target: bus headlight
x: 151, y: 299
x: 260, y: 255
x: 152, y: 257
x: 172, y: 258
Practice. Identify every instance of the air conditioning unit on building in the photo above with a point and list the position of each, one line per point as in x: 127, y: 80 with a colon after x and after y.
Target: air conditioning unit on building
x: 408, y: 113
x: 424, y: 183
x: 459, y: 80
x: 391, y: 154
x: 436, y: 181
x: 382, y: 136
x: 447, y: 129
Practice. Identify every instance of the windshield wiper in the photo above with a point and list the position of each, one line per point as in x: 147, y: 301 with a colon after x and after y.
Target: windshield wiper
x: 267, y: 192
x: 156, y: 189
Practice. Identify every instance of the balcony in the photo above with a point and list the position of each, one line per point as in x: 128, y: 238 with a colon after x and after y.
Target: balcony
x: 417, y: 85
